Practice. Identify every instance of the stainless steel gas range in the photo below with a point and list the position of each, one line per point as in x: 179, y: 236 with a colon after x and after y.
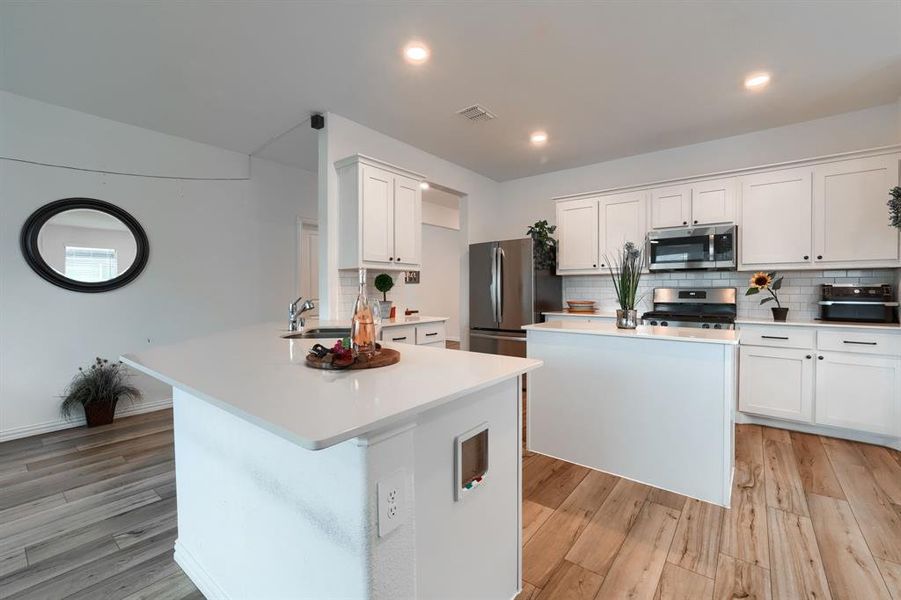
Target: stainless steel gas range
x: 707, y: 308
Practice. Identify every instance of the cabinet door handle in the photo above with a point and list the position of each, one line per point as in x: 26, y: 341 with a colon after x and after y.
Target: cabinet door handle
x: 594, y: 266
x: 431, y: 334
x: 398, y: 339
x: 696, y: 222
x: 820, y: 357
x: 398, y: 259
x: 773, y: 337
x: 859, y: 343
x: 685, y: 222
x: 819, y: 257
x: 390, y: 258
x: 806, y: 257
x: 809, y: 357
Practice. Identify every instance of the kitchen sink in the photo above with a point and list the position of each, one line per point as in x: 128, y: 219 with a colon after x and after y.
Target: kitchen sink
x: 317, y: 333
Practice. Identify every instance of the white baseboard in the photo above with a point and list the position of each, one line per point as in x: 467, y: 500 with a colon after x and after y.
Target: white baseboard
x: 824, y: 430
x: 197, y: 574
x: 122, y: 410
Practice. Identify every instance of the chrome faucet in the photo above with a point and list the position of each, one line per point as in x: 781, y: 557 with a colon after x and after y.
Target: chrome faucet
x: 295, y: 310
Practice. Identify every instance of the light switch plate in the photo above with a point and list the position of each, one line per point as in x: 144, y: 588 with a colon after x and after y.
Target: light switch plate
x: 391, y: 502
x: 411, y: 277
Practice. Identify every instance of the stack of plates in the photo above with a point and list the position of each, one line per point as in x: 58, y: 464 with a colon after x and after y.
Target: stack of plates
x: 581, y: 306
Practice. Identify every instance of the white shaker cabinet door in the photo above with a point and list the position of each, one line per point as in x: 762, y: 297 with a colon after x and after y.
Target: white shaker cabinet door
x: 713, y: 202
x: 407, y: 221
x: 671, y: 207
x: 622, y: 219
x: 859, y: 392
x: 377, y: 215
x: 776, y: 218
x: 577, y: 231
x: 849, y: 210
x: 776, y: 382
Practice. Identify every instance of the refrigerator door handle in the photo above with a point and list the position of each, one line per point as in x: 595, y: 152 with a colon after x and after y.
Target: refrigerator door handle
x: 500, y: 284
x: 488, y: 336
x: 492, y: 288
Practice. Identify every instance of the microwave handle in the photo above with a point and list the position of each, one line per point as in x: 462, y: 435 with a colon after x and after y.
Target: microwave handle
x: 711, y: 248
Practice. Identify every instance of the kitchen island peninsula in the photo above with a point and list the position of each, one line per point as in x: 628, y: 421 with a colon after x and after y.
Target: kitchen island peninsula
x: 398, y: 482
x: 652, y: 404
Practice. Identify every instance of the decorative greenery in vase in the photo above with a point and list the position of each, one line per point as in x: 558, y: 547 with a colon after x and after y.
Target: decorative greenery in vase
x: 384, y: 284
x: 544, y: 246
x: 770, y: 283
x: 98, y: 390
x: 625, y: 270
x: 894, y: 207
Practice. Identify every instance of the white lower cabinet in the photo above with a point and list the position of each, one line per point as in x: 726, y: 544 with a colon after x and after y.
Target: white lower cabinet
x: 859, y: 392
x: 776, y: 382
x: 433, y: 333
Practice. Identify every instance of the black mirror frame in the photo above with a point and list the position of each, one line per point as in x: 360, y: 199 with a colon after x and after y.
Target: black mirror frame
x: 28, y: 240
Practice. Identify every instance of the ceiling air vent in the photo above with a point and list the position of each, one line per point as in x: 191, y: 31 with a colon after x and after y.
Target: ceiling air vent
x: 477, y: 113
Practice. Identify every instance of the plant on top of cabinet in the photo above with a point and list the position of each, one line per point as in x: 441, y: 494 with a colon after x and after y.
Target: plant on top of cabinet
x: 97, y: 390
x: 625, y: 270
x: 894, y: 207
x: 384, y: 283
x: 544, y: 246
x: 768, y: 282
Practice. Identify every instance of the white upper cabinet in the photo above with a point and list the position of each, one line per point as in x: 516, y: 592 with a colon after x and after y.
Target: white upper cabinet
x: 407, y: 221
x: 775, y: 220
x: 380, y: 215
x: 850, y: 219
x: 713, y: 202
x: 671, y: 206
x: 701, y: 203
x: 577, y: 232
x: 622, y: 218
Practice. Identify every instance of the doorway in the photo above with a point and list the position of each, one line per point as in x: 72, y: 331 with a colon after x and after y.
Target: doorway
x: 308, y: 261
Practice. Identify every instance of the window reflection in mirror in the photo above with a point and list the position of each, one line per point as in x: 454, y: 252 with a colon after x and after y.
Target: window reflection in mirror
x: 87, y: 245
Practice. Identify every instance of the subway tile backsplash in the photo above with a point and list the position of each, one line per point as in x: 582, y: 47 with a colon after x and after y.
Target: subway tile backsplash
x: 800, y: 289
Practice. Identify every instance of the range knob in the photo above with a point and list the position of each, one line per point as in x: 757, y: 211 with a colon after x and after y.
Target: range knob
x: 705, y: 326
x: 654, y: 323
x: 664, y: 324
x: 718, y: 326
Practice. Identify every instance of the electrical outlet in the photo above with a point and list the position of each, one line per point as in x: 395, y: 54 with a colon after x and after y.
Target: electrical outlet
x: 391, y: 501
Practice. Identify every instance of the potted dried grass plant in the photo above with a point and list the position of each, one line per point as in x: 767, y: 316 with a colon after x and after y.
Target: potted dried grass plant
x: 625, y: 270
x: 97, y: 390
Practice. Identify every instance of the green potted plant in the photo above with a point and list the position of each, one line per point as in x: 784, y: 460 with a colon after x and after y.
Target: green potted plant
x: 625, y: 270
x: 894, y: 207
x: 97, y: 390
x: 384, y: 283
x: 544, y: 247
x: 770, y: 283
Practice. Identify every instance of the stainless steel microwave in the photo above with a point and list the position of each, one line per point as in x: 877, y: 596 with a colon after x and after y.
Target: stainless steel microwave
x: 689, y: 248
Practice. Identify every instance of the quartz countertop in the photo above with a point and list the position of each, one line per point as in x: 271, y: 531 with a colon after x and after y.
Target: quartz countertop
x: 254, y: 373
x: 604, y: 314
x: 411, y: 320
x: 815, y: 323
x: 680, y: 334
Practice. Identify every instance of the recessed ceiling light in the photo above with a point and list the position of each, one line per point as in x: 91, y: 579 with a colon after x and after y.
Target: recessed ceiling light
x: 538, y: 138
x: 416, y: 53
x: 757, y: 81
x: 424, y: 185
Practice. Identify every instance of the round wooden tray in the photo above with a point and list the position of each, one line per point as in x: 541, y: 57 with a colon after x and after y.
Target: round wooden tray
x: 385, y: 357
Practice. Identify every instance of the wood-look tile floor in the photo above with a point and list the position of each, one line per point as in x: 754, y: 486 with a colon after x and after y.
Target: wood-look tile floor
x: 90, y: 514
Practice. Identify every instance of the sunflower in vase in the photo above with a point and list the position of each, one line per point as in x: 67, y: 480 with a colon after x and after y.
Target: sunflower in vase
x: 768, y: 282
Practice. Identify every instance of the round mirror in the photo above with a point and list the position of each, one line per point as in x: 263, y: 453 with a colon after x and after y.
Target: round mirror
x: 84, y: 245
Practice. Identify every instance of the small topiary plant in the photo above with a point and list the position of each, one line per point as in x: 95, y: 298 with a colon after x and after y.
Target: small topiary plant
x: 384, y: 283
x: 894, y: 207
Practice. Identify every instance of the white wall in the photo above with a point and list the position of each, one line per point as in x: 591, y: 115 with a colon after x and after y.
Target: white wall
x: 524, y: 201
x: 221, y: 252
x: 343, y: 137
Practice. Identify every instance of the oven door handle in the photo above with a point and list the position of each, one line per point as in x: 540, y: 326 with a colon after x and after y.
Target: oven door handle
x: 856, y: 302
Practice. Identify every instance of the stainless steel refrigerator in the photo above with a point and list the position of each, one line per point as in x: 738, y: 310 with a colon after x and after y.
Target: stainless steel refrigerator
x: 505, y: 293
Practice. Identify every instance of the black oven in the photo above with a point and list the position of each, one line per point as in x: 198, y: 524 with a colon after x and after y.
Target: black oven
x: 692, y: 248
x: 858, y: 303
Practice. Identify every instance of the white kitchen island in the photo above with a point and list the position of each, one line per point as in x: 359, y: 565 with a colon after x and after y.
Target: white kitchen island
x: 654, y: 404
x: 299, y: 483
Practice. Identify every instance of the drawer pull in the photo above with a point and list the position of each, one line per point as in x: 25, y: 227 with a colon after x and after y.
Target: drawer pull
x: 431, y: 334
x: 773, y: 337
x: 398, y: 339
x: 859, y: 343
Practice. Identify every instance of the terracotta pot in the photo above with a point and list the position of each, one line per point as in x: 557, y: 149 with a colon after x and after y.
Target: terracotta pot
x: 99, y: 413
x: 779, y: 314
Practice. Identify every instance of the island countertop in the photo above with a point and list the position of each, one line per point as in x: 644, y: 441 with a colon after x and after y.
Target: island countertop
x: 253, y: 373
x: 681, y: 334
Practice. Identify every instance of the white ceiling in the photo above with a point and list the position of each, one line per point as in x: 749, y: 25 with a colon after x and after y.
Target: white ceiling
x: 604, y: 79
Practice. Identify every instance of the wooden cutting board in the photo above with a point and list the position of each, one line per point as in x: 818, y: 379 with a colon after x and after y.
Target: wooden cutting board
x: 385, y: 357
